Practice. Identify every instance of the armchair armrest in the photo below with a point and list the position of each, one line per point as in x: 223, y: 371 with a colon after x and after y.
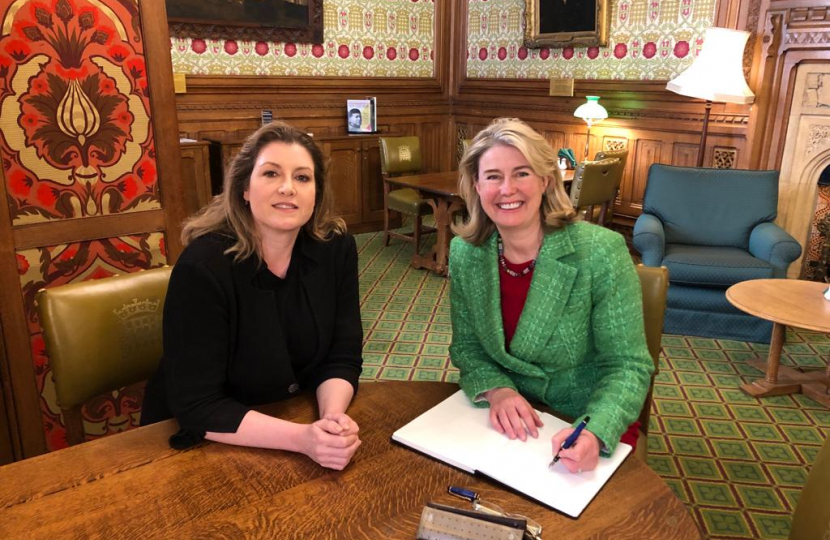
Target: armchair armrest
x: 650, y: 239
x: 772, y: 244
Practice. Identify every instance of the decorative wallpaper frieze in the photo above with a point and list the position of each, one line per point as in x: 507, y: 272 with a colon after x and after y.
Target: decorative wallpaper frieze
x: 76, y: 138
x: 80, y: 261
x: 362, y: 38
x: 648, y: 40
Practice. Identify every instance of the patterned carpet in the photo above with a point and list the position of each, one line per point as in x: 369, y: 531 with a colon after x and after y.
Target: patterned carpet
x: 737, y: 463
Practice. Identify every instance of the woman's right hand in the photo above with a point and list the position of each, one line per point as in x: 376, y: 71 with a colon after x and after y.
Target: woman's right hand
x: 324, y: 447
x: 511, y: 414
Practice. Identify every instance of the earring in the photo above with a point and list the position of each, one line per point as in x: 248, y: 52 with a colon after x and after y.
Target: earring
x: 247, y: 202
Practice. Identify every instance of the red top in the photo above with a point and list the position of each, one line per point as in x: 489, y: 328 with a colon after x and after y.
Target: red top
x: 513, y: 297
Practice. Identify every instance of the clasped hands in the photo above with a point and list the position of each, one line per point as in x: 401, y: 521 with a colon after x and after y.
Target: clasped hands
x: 332, y: 440
x: 512, y: 415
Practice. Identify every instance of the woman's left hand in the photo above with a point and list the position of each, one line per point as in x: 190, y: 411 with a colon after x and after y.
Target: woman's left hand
x: 344, y: 422
x: 582, y: 456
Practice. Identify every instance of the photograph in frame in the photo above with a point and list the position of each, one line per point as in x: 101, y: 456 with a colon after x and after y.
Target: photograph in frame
x: 566, y: 23
x: 361, y: 115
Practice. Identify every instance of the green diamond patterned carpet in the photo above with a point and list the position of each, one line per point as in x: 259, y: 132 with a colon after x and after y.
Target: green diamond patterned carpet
x: 738, y: 463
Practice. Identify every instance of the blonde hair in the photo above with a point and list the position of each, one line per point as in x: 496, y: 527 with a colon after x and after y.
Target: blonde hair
x: 556, y: 211
x: 228, y: 213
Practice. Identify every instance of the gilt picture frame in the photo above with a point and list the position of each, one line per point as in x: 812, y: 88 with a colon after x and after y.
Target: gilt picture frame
x: 567, y: 23
x: 291, y: 21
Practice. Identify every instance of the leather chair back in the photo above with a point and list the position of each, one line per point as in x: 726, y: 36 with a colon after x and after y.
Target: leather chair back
x: 594, y: 183
x: 654, y: 281
x: 102, y: 335
x: 811, y: 520
x: 622, y: 155
x: 400, y: 155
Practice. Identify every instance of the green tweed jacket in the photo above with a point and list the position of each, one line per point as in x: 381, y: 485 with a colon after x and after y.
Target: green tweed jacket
x: 580, y: 344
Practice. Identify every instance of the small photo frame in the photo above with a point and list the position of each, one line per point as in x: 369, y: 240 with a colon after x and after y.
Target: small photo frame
x: 361, y: 115
x: 567, y: 23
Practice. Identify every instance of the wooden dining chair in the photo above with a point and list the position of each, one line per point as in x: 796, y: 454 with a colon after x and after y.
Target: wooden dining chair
x: 594, y: 186
x: 622, y: 155
x: 811, y: 520
x: 654, y: 281
x: 101, y: 335
x: 400, y: 156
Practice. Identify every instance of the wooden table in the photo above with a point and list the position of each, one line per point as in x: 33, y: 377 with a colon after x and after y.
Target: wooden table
x: 133, y: 486
x: 440, y: 190
x: 785, y: 302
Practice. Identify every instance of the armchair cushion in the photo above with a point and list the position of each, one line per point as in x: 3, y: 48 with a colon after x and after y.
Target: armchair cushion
x: 710, y: 207
x: 706, y: 266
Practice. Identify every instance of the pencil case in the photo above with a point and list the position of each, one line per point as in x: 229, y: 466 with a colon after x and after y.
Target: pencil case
x: 440, y: 522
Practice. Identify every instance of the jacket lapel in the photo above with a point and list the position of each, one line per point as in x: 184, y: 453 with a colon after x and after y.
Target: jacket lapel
x: 489, y: 303
x: 547, y: 298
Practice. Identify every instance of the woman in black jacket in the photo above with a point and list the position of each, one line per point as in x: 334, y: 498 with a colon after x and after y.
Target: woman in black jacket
x: 263, y: 303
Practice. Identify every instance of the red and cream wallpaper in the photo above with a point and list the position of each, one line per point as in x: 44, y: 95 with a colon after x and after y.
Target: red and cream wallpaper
x: 648, y: 40
x: 74, y: 110
x: 361, y: 38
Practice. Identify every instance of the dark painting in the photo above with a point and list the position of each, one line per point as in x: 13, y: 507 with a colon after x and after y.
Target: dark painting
x: 272, y: 20
x: 566, y: 23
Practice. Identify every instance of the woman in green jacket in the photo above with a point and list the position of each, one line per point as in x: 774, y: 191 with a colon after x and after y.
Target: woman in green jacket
x: 544, y: 307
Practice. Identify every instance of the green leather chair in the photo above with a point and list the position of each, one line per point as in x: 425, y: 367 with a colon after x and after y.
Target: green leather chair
x: 811, y: 520
x: 101, y: 335
x: 622, y: 155
x: 655, y: 285
x: 400, y: 156
x: 595, y: 185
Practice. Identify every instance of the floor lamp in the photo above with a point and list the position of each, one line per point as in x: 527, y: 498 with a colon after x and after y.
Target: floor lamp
x: 716, y: 75
x: 592, y: 112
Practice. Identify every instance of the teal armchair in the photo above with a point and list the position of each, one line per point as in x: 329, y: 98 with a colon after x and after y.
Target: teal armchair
x: 712, y: 228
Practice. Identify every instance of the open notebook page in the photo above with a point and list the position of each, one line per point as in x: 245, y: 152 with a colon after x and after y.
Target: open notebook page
x: 458, y: 433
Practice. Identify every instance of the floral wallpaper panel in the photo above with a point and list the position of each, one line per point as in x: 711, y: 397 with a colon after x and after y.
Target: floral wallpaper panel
x: 361, y: 38
x: 648, y: 39
x: 76, y: 138
x: 67, y: 263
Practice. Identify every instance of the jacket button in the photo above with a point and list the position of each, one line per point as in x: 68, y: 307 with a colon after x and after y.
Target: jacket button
x: 293, y: 388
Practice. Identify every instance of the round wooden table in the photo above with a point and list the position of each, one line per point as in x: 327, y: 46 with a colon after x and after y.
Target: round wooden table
x: 785, y: 302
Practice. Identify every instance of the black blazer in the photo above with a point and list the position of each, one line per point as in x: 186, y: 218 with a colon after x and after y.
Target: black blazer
x: 224, y: 348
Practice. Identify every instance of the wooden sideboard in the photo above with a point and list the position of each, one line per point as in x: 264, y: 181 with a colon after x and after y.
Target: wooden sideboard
x: 353, y: 174
x: 195, y: 159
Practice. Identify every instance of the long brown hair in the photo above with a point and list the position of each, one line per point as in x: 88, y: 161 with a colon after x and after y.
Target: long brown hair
x: 556, y: 210
x: 228, y: 214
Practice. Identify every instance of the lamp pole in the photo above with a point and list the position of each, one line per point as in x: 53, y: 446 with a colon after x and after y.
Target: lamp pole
x: 702, y: 149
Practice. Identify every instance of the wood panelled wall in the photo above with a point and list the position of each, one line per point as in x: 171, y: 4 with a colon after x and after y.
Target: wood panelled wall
x: 657, y: 126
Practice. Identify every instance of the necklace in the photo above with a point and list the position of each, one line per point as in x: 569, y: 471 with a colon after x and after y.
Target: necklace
x: 512, y: 273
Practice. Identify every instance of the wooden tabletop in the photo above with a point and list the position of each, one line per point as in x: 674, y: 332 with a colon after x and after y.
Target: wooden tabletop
x: 792, y: 302
x: 133, y: 485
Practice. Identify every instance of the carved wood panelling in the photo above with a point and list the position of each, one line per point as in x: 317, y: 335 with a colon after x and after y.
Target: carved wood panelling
x: 684, y: 155
x: 614, y: 143
x: 724, y: 158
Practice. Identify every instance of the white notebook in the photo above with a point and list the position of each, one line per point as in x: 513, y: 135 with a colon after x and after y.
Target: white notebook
x: 458, y: 433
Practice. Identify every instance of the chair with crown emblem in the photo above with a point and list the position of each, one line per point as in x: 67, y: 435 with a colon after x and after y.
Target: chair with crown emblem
x: 101, y: 335
x: 400, y: 156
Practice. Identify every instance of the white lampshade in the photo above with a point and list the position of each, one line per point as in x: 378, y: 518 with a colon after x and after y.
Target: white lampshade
x: 717, y: 74
x: 591, y: 111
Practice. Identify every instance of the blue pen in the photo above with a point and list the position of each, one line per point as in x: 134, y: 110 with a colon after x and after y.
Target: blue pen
x: 570, y: 440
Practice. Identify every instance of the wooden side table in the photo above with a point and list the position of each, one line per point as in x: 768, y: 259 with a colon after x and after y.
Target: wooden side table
x: 785, y: 302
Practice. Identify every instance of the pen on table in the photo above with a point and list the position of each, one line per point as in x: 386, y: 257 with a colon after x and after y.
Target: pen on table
x: 570, y: 440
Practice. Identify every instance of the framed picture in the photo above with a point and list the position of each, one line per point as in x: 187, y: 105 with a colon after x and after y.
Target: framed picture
x: 566, y: 23
x: 296, y: 21
x: 361, y: 115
